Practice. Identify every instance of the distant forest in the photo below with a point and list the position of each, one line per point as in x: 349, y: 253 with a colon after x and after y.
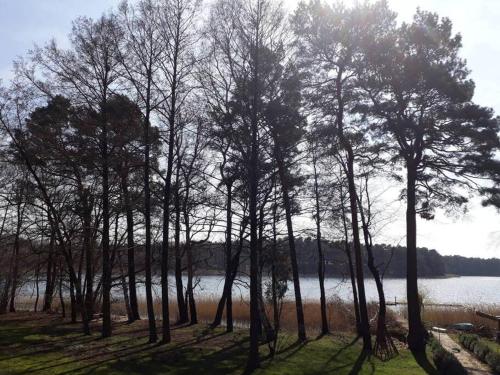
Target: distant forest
x: 392, y: 259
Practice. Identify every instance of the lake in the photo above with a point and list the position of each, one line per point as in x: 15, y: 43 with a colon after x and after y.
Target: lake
x: 467, y: 290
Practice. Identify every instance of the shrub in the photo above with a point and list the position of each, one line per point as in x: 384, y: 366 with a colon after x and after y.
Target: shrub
x: 481, y: 349
x: 493, y: 360
x: 446, y: 362
x: 468, y: 341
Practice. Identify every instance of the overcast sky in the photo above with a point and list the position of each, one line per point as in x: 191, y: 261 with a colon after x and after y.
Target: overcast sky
x: 477, y: 233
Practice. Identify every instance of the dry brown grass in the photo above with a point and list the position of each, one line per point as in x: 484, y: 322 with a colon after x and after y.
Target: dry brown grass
x: 341, y: 316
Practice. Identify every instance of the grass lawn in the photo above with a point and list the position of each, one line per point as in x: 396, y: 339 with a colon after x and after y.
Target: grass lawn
x: 44, y: 344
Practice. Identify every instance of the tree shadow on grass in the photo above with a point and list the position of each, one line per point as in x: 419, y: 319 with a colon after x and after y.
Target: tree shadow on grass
x: 423, y: 362
x: 342, y: 349
x: 358, y: 365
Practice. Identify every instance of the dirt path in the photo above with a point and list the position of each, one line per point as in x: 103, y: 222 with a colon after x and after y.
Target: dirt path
x: 471, y: 363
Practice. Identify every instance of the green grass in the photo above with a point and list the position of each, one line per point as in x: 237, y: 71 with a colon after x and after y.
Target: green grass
x: 48, y: 346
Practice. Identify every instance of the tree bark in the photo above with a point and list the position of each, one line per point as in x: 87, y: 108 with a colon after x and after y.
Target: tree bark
x: 364, y: 325
x: 189, y: 255
x: 126, y: 294
x: 89, y: 255
x: 153, y: 337
x: 72, y: 300
x: 416, y: 334
x: 352, y: 273
x: 363, y: 311
x: 61, y: 297
x: 15, y: 268
x: 106, y: 263
x: 134, y: 308
x: 321, y: 257
x: 229, y: 255
x: 384, y: 346
x: 50, y: 276
x: 181, y: 302
x: 301, y: 328
x: 228, y: 283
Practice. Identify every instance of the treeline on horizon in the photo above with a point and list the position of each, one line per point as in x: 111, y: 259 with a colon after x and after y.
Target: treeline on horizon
x: 167, y: 124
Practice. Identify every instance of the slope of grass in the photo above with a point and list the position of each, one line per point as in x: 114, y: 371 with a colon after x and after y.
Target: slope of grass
x: 42, y: 344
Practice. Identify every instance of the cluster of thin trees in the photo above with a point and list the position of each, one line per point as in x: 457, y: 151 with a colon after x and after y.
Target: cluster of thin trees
x: 169, y: 123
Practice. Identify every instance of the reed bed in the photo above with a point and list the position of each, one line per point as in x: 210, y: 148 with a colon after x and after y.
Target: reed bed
x: 340, y: 313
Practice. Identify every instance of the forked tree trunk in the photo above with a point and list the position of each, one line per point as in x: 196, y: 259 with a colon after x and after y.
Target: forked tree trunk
x: 228, y: 283
x: 384, y: 346
x: 352, y: 273
x: 363, y: 311
x: 132, y: 291
x: 193, y: 316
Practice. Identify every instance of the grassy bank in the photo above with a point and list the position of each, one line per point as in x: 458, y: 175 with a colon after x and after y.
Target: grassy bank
x: 45, y: 344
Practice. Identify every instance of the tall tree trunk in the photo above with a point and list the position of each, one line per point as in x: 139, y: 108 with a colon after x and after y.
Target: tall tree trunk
x: 37, y: 286
x: 15, y: 269
x: 416, y: 334
x: 89, y: 256
x: 166, y: 198
x: 61, y: 296
x: 72, y: 300
x: 364, y: 324
x: 363, y: 311
x: 301, y: 328
x: 134, y: 308
x: 352, y: 272
x: 153, y: 337
x: 106, y: 263
x: 228, y: 283
x: 265, y: 323
x: 384, y: 346
x: 253, y: 358
x: 126, y: 298
x: 321, y: 257
x: 50, y: 276
x: 189, y: 255
x: 253, y: 189
x: 229, y: 255
x: 274, y: 283
x: 181, y: 302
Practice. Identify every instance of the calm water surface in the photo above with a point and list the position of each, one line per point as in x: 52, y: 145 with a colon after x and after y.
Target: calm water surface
x: 468, y: 290
x: 455, y: 290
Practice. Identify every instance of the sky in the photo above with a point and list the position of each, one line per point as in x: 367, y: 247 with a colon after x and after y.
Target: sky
x: 475, y: 233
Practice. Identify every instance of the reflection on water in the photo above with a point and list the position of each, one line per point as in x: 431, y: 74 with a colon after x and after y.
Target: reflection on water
x: 455, y: 290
